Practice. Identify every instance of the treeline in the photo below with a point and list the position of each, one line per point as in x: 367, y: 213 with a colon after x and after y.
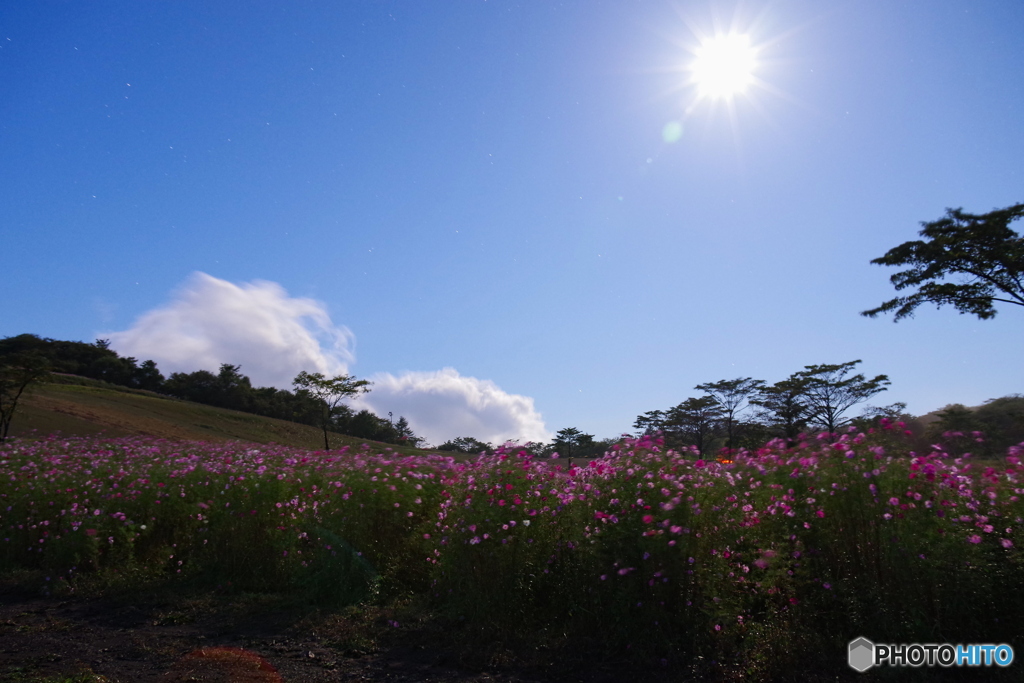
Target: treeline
x: 228, y: 388
x: 568, y: 443
x: 746, y: 412
x: 737, y: 413
x: 728, y: 414
x: 986, y: 430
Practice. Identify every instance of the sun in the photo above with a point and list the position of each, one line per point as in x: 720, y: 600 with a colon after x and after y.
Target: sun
x: 724, y: 66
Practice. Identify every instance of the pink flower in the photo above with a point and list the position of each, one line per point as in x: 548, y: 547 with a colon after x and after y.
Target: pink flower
x: 975, y: 538
x: 1006, y: 543
x: 648, y: 519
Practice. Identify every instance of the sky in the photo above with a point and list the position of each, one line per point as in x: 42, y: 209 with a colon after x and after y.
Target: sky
x: 512, y: 217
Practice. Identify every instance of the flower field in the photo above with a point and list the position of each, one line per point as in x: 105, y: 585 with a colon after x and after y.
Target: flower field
x: 769, y: 563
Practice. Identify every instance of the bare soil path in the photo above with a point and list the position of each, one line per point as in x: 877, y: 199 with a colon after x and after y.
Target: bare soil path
x: 216, y: 640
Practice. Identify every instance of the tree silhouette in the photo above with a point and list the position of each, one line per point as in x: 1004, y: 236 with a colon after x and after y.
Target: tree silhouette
x: 784, y: 406
x: 981, y: 250
x: 696, y: 420
x: 831, y: 390
x: 570, y: 437
x: 17, y: 374
x: 731, y: 395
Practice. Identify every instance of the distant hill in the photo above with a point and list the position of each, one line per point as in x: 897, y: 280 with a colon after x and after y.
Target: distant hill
x: 999, y: 420
x: 83, y: 407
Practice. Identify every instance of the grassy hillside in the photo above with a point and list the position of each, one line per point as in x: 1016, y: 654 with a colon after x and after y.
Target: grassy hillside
x: 79, y: 406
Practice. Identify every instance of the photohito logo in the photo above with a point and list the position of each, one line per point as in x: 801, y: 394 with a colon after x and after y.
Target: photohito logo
x: 862, y: 654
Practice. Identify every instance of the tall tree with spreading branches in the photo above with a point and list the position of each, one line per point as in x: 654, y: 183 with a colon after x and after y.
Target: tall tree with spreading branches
x: 982, y: 255
x: 732, y: 396
x: 329, y: 392
x: 696, y: 421
x: 784, y: 406
x: 831, y: 390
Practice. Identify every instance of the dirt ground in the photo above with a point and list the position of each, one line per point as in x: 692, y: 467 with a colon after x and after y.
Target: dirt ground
x: 172, y: 638
x: 201, y: 639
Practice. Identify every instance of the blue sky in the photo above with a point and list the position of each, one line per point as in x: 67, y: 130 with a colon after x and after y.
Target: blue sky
x: 487, y: 187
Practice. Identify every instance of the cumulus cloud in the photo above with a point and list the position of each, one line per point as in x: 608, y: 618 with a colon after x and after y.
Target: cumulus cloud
x: 442, y: 405
x: 273, y: 337
x: 209, y: 321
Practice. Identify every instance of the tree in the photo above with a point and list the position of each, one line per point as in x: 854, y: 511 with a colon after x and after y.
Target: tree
x: 329, y: 392
x: 650, y: 422
x: 148, y: 377
x: 831, y: 391
x: 999, y: 423
x: 199, y: 386
x: 696, y: 421
x: 465, y: 444
x: 405, y: 434
x: 731, y: 395
x: 365, y: 425
x: 232, y: 388
x: 16, y: 375
x: 569, y: 438
x: 784, y: 406
x: 982, y: 251
x: 1002, y: 421
x: 956, y: 417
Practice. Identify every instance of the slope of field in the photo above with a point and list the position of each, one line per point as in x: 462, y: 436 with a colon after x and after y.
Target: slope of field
x: 87, y: 407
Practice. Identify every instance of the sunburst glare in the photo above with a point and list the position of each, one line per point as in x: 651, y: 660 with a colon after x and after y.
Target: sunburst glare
x: 724, y: 66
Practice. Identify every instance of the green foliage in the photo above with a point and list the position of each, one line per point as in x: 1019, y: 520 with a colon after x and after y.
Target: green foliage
x: 981, y: 250
x: 760, y: 569
x: 18, y: 372
x: 818, y: 395
x: 987, y: 430
x: 570, y: 441
x: 465, y: 444
x: 328, y: 392
x: 96, y: 361
x: 228, y: 388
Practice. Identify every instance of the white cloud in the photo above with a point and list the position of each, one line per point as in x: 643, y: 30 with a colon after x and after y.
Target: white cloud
x: 273, y: 337
x: 256, y: 325
x: 442, y: 405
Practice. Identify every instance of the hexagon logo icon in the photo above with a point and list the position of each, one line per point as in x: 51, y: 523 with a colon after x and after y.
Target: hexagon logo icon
x: 861, y: 654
